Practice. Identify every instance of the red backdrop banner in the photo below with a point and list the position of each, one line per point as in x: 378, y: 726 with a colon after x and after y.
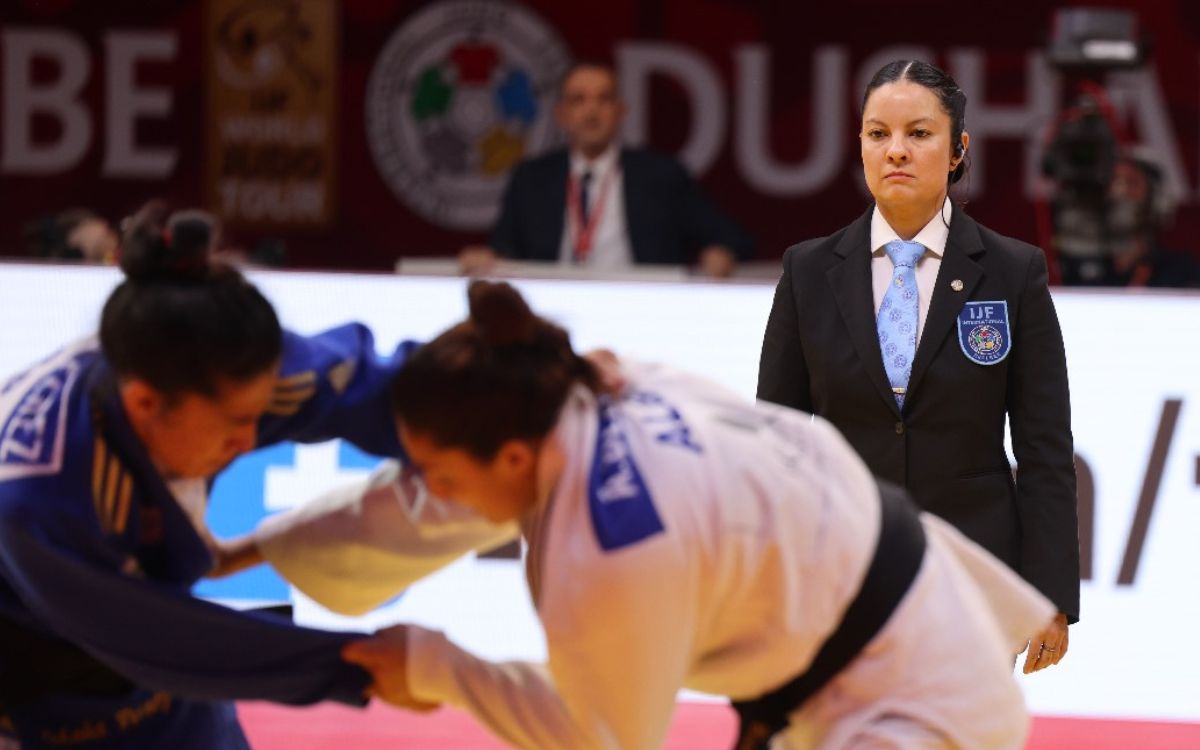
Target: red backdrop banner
x: 421, y: 108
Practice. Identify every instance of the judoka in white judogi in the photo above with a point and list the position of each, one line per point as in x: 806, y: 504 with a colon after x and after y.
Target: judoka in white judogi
x: 692, y: 540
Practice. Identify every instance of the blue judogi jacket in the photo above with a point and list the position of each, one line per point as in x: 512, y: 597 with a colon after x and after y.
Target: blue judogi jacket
x: 97, y: 560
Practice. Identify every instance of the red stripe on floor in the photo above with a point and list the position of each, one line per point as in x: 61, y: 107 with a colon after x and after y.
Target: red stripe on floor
x: 696, y: 726
x: 1110, y: 734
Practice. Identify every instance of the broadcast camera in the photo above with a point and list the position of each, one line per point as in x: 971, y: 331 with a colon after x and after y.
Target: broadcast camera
x: 1086, y: 145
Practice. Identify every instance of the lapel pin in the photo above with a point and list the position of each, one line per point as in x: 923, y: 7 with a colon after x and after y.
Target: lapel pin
x: 956, y: 285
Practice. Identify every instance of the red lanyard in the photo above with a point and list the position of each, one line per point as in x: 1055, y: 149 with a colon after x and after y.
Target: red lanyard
x: 583, y: 232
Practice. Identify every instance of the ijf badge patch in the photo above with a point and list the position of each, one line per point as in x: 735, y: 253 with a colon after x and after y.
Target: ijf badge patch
x: 983, y: 331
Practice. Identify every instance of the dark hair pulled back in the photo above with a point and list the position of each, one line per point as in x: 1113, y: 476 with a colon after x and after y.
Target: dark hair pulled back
x: 502, y: 374
x: 951, y: 97
x: 181, y: 321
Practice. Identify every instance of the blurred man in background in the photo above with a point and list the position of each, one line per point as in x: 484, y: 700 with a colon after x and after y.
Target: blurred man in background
x: 600, y: 205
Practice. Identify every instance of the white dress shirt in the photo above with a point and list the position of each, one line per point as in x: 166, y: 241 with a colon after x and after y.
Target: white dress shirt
x: 610, y: 239
x: 933, y: 236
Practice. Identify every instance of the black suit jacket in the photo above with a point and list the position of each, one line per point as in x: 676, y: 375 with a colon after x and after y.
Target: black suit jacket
x: 821, y: 354
x: 668, y: 216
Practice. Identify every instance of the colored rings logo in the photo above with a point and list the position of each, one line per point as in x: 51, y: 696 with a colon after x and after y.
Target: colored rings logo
x: 985, y: 340
x: 461, y: 93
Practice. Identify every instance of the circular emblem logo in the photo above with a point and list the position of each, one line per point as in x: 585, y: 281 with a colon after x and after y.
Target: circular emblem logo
x: 985, y: 341
x: 461, y: 93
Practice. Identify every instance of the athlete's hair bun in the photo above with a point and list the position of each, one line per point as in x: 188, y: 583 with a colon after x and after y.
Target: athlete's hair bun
x: 500, y: 314
x: 157, y: 247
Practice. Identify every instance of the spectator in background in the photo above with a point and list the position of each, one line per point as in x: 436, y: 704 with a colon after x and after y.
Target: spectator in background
x: 599, y: 204
x: 73, y: 234
x: 1139, y: 207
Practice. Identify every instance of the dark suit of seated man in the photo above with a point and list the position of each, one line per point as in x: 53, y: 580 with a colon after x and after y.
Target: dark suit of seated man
x: 597, y: 204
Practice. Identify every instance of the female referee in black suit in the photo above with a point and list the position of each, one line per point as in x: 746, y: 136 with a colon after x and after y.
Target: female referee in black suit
x: 969, y: 337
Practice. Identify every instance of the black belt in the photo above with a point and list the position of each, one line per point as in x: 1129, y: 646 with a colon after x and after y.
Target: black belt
x: 898, y: 555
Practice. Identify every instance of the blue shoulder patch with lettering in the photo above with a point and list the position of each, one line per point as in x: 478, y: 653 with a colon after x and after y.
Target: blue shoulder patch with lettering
x: 983, y: 331
x: 622, y: 509
x: 32, y: 422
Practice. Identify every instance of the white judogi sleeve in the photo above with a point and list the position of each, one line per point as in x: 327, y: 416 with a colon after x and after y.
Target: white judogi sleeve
x: 1018, y: 609
x: 356, y: 547
x: 619, y: 650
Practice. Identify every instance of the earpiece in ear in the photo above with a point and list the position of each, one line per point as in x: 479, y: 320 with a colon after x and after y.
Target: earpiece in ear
x: 959, y: 153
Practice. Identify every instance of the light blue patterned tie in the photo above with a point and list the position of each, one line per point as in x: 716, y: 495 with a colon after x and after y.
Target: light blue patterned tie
x: 897, y: 320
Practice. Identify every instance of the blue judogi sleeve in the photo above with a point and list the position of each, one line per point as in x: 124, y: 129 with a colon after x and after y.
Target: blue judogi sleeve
x: 335, y: 385
x: 70, y: 579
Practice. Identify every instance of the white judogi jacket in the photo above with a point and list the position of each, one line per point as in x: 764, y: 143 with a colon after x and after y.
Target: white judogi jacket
x: 692, y: 540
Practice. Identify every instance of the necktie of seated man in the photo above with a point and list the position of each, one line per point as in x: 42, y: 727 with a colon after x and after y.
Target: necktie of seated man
x: 585, y: 190
x: 897, y: 319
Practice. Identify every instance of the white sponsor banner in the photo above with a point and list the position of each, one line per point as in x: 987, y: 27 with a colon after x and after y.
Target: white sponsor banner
x: 1135, y: 377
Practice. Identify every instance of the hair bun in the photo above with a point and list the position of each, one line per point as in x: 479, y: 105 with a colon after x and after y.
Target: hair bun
x: 161, y: 248
x: 500, y: 313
